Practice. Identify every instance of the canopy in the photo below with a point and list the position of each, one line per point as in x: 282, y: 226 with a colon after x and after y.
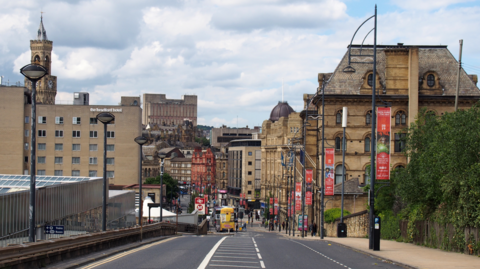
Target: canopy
x: 155, y: 211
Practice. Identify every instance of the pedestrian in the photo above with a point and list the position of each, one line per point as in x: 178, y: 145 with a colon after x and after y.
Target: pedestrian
x: 286, y: 225
x: 244, y: 228
x: 236, y: 227
x: 314, y: 229
x: 283, y: 225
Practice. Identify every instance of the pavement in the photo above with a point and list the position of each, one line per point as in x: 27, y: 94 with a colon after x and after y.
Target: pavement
x: 404, y: 254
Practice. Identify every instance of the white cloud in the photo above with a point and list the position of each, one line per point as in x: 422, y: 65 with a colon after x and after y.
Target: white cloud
x: 426, y: 4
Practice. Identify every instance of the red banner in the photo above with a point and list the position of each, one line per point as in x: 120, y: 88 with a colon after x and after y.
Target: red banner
x: 276, y: 206
x: 383, y: 143
x: 308, y: 186
x: 298, y: 196
x: 270, y: 206
x: 329, y: 171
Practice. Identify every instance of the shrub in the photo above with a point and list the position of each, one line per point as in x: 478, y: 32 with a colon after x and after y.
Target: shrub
x: 334, y: 213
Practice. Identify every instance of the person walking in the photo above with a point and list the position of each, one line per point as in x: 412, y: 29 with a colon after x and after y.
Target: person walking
x: 314, y: 229
x: 283, y: 225
x: 236, y: 228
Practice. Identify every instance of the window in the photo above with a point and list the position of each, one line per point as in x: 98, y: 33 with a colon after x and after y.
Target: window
x: 400, y: 118
x: 110, y: 147
x: 42, y: 133
x: 58, y: 160
x: 93, y: 134
x: 93, y: 147
x: 27, y: 132
x: 367, y: 175
x: 110, y: 161
x: 338, y: 119
x: 42, y: 119
x: 249, y: 173
x: 370, y: 80
x: 58, y: 133
x: 42, y: 146
x: 27, y: 119
x: 75, y: 160
x: 339, y: 142
x: 58, y: 172
x: 41, y: 172
x: 92, y: 173
x: 93, y: 160
x: 249, y: 153
x: 110, y: 134
x: 26, y: 146
x: 76, y: 134
x: 338, y: 174
x: 75, y: 173
x: 249, y: 192
x: 367, y: 144
x: 41, y: 159
x: 59, y: 147
x: 76, y: 120
x: 26, y: 159
x: 58, y: 120
x: 223, y: 175
x: 249, y: 163
x: 400, y: 142
x: 368, y: 118
x: 76, y: 147
x: 93, y: 121
x: 430, y: 80
x: 249, y: 182
x: 110, y: 174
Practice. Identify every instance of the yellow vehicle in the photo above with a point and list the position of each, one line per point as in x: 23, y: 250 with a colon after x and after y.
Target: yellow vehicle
x: 227, y: 217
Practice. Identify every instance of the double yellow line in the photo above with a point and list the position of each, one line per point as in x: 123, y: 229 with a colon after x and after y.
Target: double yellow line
x: 93, y: 265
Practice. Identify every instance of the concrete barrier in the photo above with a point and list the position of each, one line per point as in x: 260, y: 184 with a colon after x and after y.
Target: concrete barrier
x: 42, y: 253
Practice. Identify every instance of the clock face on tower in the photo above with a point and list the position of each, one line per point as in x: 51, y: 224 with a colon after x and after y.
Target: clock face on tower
x: 50, y: 84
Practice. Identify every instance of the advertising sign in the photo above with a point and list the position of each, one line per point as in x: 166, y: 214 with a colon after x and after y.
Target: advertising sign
x: 308, y: 186
x: 383, y: 143
x: 292, y: 206
x: 329, y: 171
x: 298, y: 196
x: 200, y: 205
x: 304, y: 222
x: 276, y: 206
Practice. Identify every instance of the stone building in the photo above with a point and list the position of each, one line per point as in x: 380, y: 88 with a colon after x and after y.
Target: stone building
x: 221, y: 160
x: 173, y: 134
x: 41, y: 53
x: 409, y: 78
x: 220, y: 137
x: 157, y: 109
x: 180, y: 169
x: 203, y: 169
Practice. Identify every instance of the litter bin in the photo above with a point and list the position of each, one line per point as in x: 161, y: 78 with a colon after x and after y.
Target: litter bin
x: 342, y: 230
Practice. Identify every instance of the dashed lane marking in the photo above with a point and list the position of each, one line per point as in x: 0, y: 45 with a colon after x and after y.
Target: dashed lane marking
x: 325, y: 256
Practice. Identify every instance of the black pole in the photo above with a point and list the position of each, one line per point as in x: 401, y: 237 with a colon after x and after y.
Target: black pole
x: 373, y: 146
x: 161, y: 190
x: 322, y: 207
x: 343, y: 170
x: 288, y: 195
x: 304, y: 167
x: 140, y: 200
x: 33, y: 147
x: 104, y: 195
x: 292, y: 216
x: 295, y: 188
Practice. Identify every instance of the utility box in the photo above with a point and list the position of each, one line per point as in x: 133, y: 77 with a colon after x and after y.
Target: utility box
x: 342, y: 230
x: 376, y: 233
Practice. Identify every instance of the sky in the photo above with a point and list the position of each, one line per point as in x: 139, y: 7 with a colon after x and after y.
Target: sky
x: 235, y: 55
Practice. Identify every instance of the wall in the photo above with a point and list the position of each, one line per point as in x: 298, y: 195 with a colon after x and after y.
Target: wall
x: 357, y: 225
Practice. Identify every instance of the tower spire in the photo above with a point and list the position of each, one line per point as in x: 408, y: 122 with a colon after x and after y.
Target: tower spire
x: 42, y: 33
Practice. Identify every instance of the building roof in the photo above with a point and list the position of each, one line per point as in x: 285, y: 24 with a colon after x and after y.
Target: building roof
x: 431, y: 58
x: 9, y: 183
x: 178, y: 159
x: 42, y: 33
x: 351, y: 187
x: 282, y: 109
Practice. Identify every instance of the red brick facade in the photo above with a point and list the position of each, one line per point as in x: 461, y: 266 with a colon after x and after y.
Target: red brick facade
x: 203, y: 169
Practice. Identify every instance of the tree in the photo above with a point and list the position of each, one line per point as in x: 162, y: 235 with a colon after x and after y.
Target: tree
x: 171, y: 185
x: 202, y: 141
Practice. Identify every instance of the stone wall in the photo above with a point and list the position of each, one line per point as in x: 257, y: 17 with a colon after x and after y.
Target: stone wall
x: 357, y: 225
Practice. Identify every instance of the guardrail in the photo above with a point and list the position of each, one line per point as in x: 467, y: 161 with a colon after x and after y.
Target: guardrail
x: 39, y: 254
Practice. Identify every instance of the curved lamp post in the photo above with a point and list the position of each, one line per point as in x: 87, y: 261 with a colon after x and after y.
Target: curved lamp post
x: 140, y: 140
x: 34, y: 73
x: 162, y: 157
x: 105, y: 118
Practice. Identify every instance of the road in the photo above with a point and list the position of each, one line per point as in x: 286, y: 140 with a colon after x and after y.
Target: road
x: 255, y: 248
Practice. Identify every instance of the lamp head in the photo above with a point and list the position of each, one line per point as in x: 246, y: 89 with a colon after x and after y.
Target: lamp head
x: 33, y: 71
x: 162, y: 156
x: 105, y: 117
x: 141, y: 140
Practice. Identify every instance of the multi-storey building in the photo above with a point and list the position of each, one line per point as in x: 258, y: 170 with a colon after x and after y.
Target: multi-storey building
x: 244, y: 172
x: 220, y: 137
x: 180, y: 169
x: 162, y: 111
x: 222, y: 177
x: 203, y: 169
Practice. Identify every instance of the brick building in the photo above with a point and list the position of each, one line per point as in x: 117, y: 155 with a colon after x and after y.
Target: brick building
x: 203, y: 169
x: 157, y: 109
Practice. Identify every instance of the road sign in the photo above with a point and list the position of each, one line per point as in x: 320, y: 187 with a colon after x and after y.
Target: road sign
x: 200, y: 205
x: 54, y: 229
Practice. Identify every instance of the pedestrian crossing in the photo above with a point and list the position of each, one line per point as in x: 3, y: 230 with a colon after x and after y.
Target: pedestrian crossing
x: 237, y: 252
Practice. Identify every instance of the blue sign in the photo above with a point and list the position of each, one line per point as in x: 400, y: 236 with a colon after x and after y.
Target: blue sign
x: 376, y: 220
x: 54, y: 229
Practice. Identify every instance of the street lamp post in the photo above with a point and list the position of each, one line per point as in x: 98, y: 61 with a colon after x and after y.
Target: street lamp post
x: 162, y: 157
x: 140, y: 140
x: 105, y: 118
x: 33, y: 72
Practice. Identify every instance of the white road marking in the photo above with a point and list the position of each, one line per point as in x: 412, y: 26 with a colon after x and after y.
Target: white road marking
x: 233, y: 257
x: 260, y: 257
x: 210, y: 254
x: 224, y: 265
x: 321, y: 254
x: 257, y: 250
x: 231, y: 261
x: 252, y: 253
x: 262, y: 264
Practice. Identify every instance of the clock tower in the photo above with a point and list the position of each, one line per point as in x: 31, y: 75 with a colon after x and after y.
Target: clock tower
x: 41, y: 53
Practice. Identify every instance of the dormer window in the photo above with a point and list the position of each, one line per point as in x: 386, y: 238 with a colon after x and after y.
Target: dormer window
x: 370, y: 80
x: 430, y: 80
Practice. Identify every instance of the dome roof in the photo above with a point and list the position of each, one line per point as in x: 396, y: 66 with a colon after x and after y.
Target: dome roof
x: 282, y: 109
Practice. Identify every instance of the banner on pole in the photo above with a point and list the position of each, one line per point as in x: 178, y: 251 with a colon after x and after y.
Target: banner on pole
x: 298, y: 196
x: 329, y: 171
x: 383, y: 142
x: 308, y: 186
x: 304, y: 222
x: 276, y: 206
x: 292, y: 205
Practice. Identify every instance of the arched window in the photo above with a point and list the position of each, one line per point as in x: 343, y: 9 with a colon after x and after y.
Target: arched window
x: 430, y: 80
x: 36, y: 59
x: 47, y: 63
x: 368, y: 118
x: 370, y: 80
x: 135, y: 103
x: 400, y: 118
x: 338, y: 174
x: 367, y: 144
x: 338, y: 143
x: 367, y: 175
x: 339, y: 117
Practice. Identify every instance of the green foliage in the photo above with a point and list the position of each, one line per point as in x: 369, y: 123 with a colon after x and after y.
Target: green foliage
x: 171, y: 184
x: 202, y: 141
x: 390, y: 228
x: 334, y: 213
x: 191, y: 205
x: 204, y: 127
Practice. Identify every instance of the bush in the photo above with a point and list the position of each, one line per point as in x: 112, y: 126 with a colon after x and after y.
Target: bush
x: 334, y: 213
